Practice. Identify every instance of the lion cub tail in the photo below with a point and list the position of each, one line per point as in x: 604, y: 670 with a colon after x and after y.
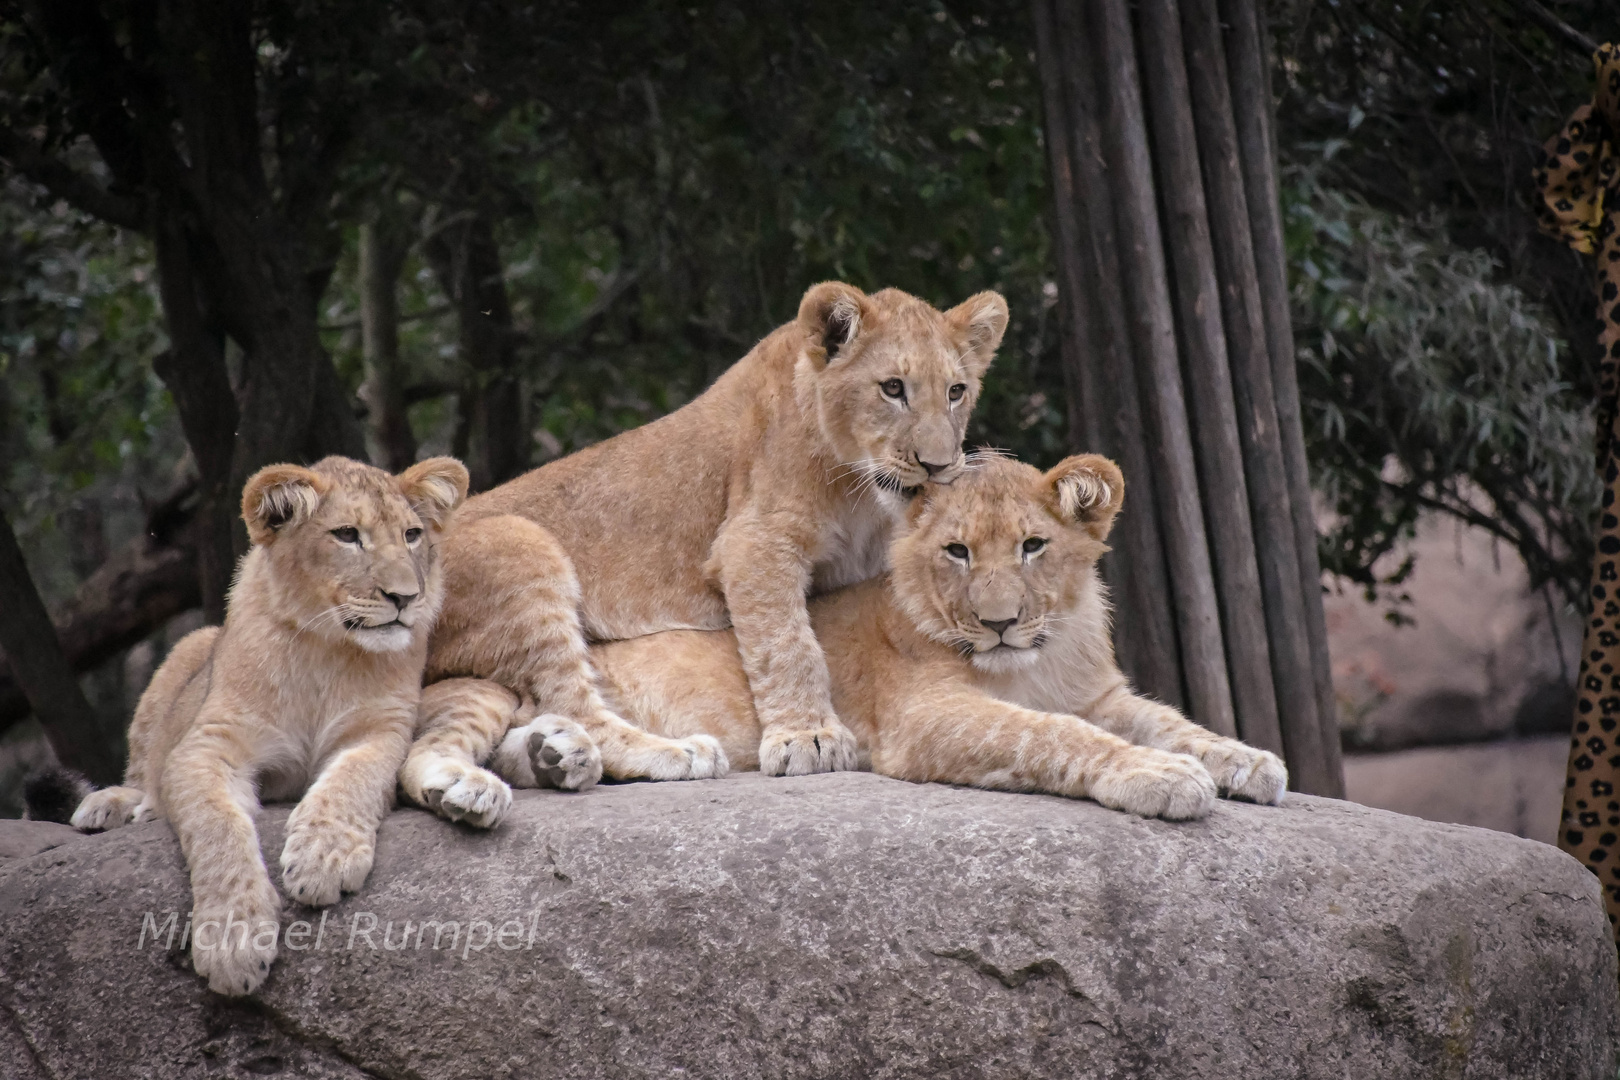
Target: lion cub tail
x: 53, y: 793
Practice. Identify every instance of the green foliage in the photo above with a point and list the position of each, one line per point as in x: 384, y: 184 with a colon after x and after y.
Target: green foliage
x: 1429, y: 384
x: 83, y: 418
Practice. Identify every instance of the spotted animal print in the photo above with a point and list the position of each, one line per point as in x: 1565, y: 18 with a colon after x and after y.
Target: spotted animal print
x: 1579, y: 181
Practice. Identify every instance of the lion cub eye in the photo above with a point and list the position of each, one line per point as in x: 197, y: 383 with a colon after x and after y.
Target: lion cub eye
x: 412, y: 535
x: 348, y: 534
x: 957, y: 391
x: 1033, y: 544
x: 894, y: 388
x: 957, y: 551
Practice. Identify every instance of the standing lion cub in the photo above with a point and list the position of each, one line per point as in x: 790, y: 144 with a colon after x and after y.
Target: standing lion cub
x: 309, y: 689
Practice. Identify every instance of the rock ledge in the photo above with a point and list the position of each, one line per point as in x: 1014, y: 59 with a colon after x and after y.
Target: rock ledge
x: 837, y: 926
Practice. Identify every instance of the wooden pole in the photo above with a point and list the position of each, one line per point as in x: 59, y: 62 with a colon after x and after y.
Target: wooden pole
x: 1153, y: 339
x: 1209, y: 379
x: 1250, y: 68
x: 40, y: 668
x: 1244, y: 321
x: 1146, y: 637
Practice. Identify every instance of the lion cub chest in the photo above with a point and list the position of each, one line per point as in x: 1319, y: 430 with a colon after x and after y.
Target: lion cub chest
x: 855, y: 543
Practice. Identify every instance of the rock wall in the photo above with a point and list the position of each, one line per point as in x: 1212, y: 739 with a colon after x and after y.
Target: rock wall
x: 837, y: 926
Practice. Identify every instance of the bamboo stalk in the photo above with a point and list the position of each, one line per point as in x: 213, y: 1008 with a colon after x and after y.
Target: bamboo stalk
x: 1146, y: 638
x: 1244, y: 322
x: 1250, y: 69
x: 1153, y: 338
x: 1209, y: 380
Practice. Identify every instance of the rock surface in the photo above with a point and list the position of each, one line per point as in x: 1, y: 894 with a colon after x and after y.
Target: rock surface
x: 1513, y: 785
x: 842, y: 926
x: 1484, y: 657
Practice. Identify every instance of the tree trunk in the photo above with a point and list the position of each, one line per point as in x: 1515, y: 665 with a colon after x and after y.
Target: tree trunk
x: 1209, y: 379
x: 1249, y: 64
x: 1219, y: 562
x: 1146, y: 635
x: 142, y: 586
x: 1244, y: 322
x: 194, y: 370
x: 382, y: 256
x: 42, y: 671
x: 1153, y: 338
x: 467, y: 262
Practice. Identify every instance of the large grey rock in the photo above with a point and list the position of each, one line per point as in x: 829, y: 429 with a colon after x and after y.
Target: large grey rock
x: 846, y: 926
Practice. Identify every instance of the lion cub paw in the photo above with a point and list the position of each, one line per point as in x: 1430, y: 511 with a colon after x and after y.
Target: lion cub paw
x: 466, y: 793
x: 108, y: 809
x: 1155, y: 783
x: 233, y: 942
x: 548, y: 751
x: 800, y: 752
x: 1244, y: 772
x: 653, y: 757
x: 322, y: 861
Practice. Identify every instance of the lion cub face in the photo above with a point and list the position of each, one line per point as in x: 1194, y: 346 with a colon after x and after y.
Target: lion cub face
x: 893, y: 380
x: 351, y: 549
x: 996, y: 563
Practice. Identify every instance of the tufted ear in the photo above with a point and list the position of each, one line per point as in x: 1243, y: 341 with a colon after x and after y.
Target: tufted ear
x: 1088, y: 489
x: 277, y: 496
x: 434, y: 488
x: 978, y: 324
x: 831, y: 315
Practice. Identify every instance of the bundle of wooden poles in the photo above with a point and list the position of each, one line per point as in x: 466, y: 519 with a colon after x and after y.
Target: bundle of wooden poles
x: 1179, y: 357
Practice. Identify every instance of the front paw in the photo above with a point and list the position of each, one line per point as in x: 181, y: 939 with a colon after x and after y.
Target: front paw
x: 1155, y: 783
x: 233, y: 943
x: 108, y: 808
x: 1244, y: 772
x: 829, y: 747
x: 323, y: 860
x: 466, y: 793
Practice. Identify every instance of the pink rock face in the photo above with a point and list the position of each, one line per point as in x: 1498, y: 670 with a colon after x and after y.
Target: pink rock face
x: 1482, y: 658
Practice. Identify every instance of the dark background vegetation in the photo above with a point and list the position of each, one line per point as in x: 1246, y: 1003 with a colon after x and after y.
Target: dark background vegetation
x: 588, y: 211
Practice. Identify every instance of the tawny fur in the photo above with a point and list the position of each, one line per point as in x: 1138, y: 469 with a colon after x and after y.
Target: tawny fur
x: 934, y: 694
x: 309, y: 692
x: 783, y: 479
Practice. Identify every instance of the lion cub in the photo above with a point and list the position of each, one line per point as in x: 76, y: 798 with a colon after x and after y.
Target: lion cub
x: 309, y: 691
x: 983, y: 658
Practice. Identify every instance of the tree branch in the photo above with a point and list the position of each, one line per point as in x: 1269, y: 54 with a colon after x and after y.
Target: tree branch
x: 67, y: 183
x: 1557, y: 27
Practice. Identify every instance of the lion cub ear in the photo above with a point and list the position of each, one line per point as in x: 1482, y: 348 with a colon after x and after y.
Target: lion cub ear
x: 1088, y: 489
x: 831, y: 315
x: 434, y: 488
x: 978, y: 324
x: 277, y: 496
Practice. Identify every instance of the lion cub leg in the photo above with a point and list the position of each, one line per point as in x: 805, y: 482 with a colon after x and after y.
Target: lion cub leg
x: 208, y: 792
x: 546, y: 750
x: 1240, y: 770
x: 525, y: 634
x: 332, y: 833
x: 961, y: 736
x: 764, y: 571
x: 459, y: 724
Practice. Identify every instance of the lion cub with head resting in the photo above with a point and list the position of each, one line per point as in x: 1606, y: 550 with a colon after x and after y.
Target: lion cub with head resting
x: 983, y: 658
x: 309, y: 689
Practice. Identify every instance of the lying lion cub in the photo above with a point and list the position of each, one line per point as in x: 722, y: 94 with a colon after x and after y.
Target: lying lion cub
x: 309, y: 689
x: 983, y: 658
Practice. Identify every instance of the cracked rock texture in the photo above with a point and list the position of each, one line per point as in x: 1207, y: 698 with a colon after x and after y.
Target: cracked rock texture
x: 837, y: 926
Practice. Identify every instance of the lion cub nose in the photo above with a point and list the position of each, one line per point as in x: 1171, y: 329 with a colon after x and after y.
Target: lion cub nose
x: 997, y: 625
x: 930, y: 468
x: 399, y: 600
